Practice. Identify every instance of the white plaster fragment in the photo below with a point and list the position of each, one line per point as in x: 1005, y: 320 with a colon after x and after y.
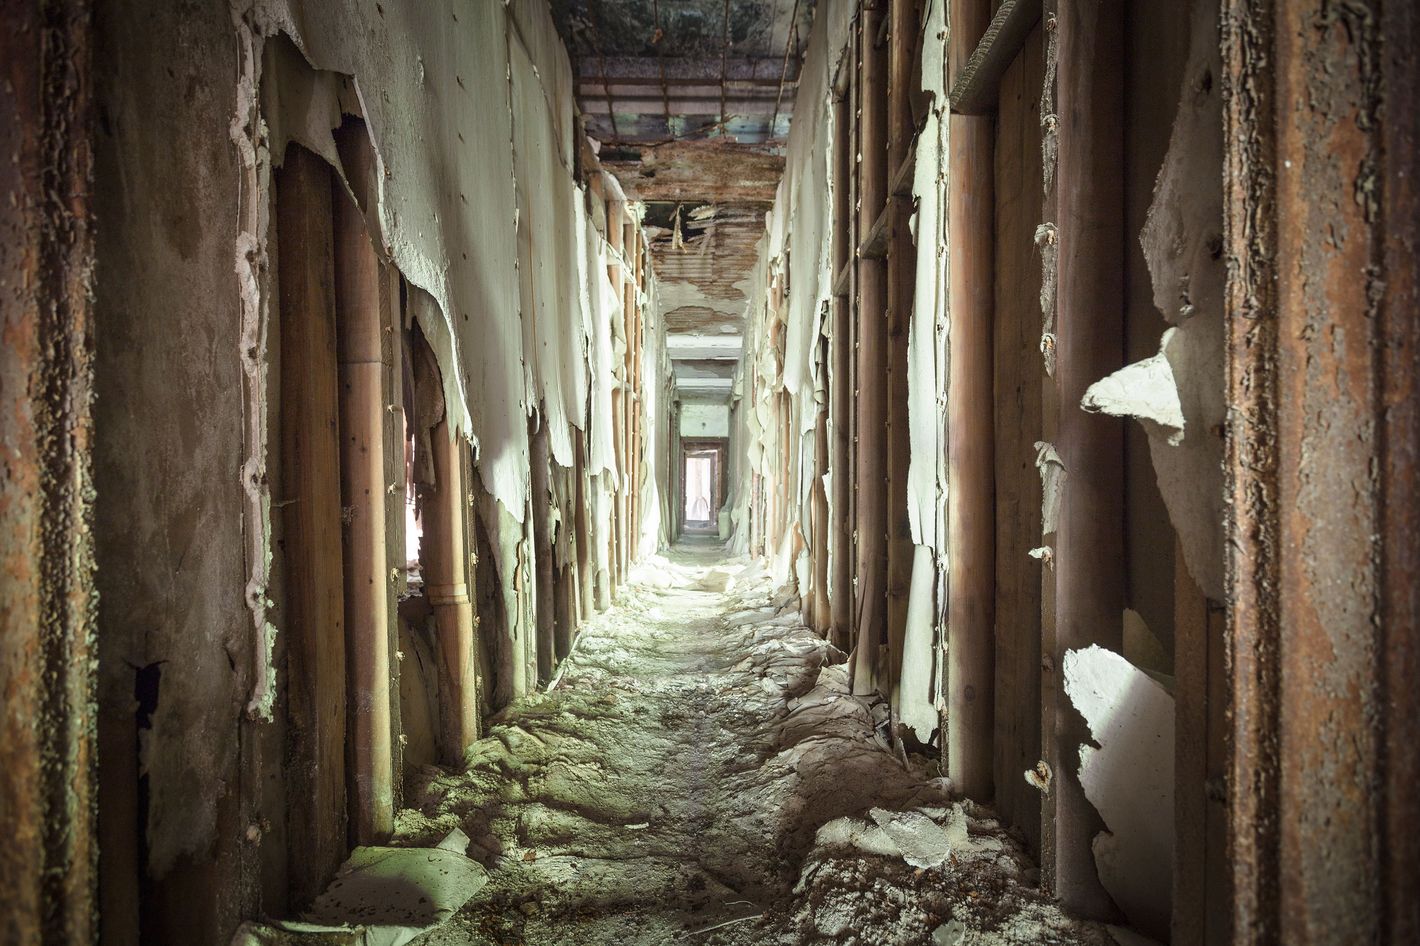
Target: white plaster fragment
x: 1145, y: 391
x: 1129, y: 779
x: 1052, y: 485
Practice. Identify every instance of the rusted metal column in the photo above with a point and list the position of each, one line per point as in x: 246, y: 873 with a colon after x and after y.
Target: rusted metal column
x: 840, y: 380
x: 1083, y: 590
x: 971, y: 523
x: 310, y: 493
x: 872, y: 360
x: 445, y: 560
x: 360, y: 338
x: 1321, y: 217
x: 48, y: 607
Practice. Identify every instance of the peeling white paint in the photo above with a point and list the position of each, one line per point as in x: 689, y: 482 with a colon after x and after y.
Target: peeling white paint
x: 1145, y: 391
x: 1129, y: 779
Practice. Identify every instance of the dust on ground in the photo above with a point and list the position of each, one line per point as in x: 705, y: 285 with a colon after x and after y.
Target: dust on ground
x: 701, y: 774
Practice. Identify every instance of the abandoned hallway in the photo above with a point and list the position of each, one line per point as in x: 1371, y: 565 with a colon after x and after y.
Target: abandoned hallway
x: 784, y: 472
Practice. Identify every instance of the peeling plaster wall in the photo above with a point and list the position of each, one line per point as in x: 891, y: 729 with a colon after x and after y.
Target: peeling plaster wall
x: 169, y: 418
x: 197, y: 100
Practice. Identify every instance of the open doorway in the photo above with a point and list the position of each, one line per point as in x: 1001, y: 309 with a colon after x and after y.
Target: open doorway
x: 702, y: 485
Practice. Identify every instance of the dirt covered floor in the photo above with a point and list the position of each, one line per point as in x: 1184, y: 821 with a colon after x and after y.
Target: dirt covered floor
x: 700, y: 774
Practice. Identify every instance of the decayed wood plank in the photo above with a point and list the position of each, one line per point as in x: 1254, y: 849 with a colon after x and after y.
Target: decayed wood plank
x: 1018, y: 380
x: 974, y: 90
x: 310, y: 498
x: 1089, y: 344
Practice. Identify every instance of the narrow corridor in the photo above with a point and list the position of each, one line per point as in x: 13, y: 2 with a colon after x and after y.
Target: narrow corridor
x: 701, y: 774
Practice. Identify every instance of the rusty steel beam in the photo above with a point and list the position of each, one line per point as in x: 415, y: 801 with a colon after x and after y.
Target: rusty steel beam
x: 47, y: 603
x: 1321, y: 227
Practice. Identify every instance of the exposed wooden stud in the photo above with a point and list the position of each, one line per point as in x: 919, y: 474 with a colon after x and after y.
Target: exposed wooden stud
x: 840, y: 385
x: 360, y: 324
x: 971, y: 564
x: 906, y: 163
x: 309, y: 494
x: 820, y: 618
x: 1088, y: 560
x: 540, y: 507
x: 872, y: 362
x: 977, y: 80
x: 902, y: 272
x: 875, y: 243
x: 1018, y: 426
x: 581, y: 527
x: 446, y: 582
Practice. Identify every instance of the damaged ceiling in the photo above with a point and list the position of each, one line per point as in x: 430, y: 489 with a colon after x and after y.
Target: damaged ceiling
x: 689, y: 103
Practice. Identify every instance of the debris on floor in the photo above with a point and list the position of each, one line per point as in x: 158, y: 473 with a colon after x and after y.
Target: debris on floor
x: 382, y: 896
x: 702, y: 774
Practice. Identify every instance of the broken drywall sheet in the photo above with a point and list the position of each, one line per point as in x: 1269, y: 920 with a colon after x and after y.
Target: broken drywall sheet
x: 383, y: 896
x: 1145, y: 391
x: 432, y: 81
x: 546, y: 225
x: 1182, y: 241
x: 1129, y: 779
x: 1052, y: 485
x: 927, y: 344
x: 915, y: 706
x: 608, y: 303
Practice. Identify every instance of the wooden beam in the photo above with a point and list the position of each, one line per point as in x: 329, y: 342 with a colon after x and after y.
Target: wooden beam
x: 872, y: 362
x: 901, y: 284
x: 309, y: 492
x: 875, y: 243
x: 974, y: 90
x: 1088, y: 573
x: 971, y: 576
x: 544, y: 623
x: 1018, y: 426
x: 445, y: 561
x: 840, y: 386
x: 581, y: 526
x: 360, y: 322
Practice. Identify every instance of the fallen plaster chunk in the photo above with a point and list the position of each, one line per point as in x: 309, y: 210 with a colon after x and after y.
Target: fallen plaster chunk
x: 950, y: 933
x: 922, y: 842
x: 716, y: 579
x: 1129, y: 779
x: 383, y: 896
x: 1145, y: 391
x: 1052, y: 485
